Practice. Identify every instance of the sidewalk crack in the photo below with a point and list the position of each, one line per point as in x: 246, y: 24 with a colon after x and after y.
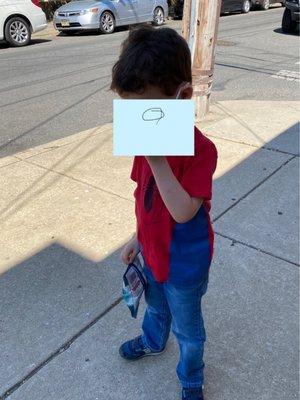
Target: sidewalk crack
x: 257, y: 249
x: 10, y: 163
x: 65, y: 346
x: 78, y: 180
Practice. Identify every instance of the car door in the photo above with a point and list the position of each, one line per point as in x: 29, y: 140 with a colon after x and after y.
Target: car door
x: 224, y: 4
x: 146, y: 8
x: 231, y: 5
x: 236, y: 5
x: 125, y: 10
x: 135, y: 6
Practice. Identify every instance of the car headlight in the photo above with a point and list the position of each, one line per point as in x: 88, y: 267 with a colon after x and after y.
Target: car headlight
x: 93, y: 10
x: 56, y: 13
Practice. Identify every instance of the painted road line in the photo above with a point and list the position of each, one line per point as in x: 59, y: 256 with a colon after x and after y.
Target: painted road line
x: 287, y: 75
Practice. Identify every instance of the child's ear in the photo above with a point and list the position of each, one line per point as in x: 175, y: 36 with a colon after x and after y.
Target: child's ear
x: 187, y: 92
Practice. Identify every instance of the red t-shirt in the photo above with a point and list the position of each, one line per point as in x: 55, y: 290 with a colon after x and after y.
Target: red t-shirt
x: 166, y: 243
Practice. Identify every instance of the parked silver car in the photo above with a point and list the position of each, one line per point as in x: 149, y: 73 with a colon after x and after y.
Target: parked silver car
x: 105, y: 15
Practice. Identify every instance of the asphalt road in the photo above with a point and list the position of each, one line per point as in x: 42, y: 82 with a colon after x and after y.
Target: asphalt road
x: 60, y: 85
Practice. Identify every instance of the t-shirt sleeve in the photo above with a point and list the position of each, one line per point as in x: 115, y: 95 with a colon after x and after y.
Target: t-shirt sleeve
x: 134, y: 170
x: 198, y: 175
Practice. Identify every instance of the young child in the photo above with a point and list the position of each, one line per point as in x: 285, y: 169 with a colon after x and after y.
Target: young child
x: 172, y: 204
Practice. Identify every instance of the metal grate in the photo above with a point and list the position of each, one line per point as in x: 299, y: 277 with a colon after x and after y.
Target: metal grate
x: 69, y: 14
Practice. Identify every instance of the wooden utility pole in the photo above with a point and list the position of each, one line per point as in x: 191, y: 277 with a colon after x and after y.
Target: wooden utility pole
x: 200, y: 30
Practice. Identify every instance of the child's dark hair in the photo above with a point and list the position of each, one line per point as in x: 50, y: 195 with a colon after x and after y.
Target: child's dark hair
x: 149, y: 56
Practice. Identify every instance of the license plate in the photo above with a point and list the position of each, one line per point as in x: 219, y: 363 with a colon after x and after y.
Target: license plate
x: 65, y: 22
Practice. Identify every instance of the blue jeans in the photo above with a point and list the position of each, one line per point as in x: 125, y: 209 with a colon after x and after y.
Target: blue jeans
x: 179, y: 306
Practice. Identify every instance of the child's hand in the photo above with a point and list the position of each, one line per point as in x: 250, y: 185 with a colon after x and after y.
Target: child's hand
x: 130, y: 250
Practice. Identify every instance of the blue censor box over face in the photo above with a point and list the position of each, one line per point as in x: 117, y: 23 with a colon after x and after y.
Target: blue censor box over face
x: 153, y: 127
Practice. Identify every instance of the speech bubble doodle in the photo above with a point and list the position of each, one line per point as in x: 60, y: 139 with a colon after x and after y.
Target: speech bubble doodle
x: 153, y: 114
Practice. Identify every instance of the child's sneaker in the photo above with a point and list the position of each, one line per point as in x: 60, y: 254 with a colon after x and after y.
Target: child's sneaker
x: 135, y: 349
x: 192, y: 394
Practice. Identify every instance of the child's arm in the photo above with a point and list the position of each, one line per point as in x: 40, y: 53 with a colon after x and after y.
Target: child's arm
x: 180, y: 204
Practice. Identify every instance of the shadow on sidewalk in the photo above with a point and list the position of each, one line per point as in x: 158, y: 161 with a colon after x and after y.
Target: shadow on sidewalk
x: 51, y: 299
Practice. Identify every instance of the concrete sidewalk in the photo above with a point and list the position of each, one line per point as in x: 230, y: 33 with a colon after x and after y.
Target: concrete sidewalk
x: 67, y: 209
x: 49, y: 33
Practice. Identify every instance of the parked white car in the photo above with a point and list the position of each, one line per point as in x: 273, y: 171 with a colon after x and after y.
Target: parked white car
x: 19, y: 19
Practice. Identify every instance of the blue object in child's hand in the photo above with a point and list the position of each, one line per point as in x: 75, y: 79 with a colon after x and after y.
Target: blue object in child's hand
x: 134, y: 284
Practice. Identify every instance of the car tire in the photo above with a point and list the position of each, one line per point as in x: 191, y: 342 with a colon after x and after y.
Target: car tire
x: 17, y: 32
x: 107, y: 22
x: 265, y: 5
x: 246, y: 7
x: 158, y: 16
x: 288, y: 25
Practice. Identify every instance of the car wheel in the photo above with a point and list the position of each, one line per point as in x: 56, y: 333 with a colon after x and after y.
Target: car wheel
x: 158, y: 16
x: 265, y: 5
x: 17, y: 32
x: 288, y: 25
x: 107, y: 22
x: 246, y: 6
